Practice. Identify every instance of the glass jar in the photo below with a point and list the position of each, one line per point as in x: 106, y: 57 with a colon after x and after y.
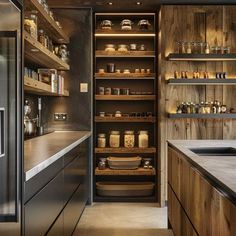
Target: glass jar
x: 201, y: 47
x: 31, y: 25
x: 41, y: 37
x: 114, y: 139
x: 227, y: 50
x: 207, y: 108
x: 207, y: 48
x: 194, y: 47
x: 143, y: 139
x: 101, y: 140
x: 122, y: 48
x: 202, y: 108
x: 102, y: 163
x: 129, y: 139
x: 181, y: 47
x: 188, y: 47
x: 118, y: 114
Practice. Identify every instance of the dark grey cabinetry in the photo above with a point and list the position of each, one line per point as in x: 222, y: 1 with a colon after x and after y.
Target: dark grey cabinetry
x: 57, y: 206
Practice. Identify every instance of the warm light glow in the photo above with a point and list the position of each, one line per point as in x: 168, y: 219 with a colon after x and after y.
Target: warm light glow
x: 110, y: 3
x: 138, y: 3
x: 122, y: 35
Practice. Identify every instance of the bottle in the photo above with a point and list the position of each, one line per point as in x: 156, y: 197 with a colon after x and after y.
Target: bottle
x: 143, y: 139
x: 207, y: 48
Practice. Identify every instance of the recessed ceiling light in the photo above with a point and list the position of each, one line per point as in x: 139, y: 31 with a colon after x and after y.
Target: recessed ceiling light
x: 138, y: 3
x: 110, y: 3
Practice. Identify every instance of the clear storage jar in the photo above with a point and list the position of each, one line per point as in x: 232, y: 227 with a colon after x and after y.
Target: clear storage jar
x: 114, y: 139
x: 31, y: 25
x: 143, y: 139
x: 101, y: 140
x: 129, y: 139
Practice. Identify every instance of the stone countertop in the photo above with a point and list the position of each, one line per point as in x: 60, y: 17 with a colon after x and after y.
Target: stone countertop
x: 220, y: 169
x: 42, y: 151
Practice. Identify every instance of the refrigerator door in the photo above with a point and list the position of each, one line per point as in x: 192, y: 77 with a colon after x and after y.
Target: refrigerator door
x: 10, y: 118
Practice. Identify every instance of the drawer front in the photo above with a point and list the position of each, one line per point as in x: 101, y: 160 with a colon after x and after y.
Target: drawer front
x: 43, y: 208
x: 71, y: 155
x: 57, y: 228
x: 73, y: 177
x: 74, y: 209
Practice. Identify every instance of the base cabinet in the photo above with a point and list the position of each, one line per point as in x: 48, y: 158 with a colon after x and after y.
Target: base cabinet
x: 55, y: 209
x: 196, y: 207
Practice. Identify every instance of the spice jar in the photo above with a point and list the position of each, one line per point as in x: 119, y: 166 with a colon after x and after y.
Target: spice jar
x: 181, y: 47
x: 133, y: 46
x: 110, y: 48
x: 114, y: 139
x: 118, y: 114
x: 101, y: 90
x: 143, y: 139
x: 107, y: 91
x: 101, y: 140
x: 116, y: 91
x: 142, y: 47
x: 202, y: 108
x: 207, y: 108
x: 189, y: 48
x: 102, y: 163
x: 122, y: 48
x: 111, y: 68
x: 102, y: 114
x: 129, y: 139
x: 207, y: 48
x: 125, y: 91
x: 41, y: 37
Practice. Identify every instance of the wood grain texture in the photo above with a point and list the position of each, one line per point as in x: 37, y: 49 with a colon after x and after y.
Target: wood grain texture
x: 215, y: 25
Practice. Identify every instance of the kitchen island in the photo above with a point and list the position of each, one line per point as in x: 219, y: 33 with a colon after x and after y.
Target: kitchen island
x: 202, y: 187
x: 56, y: 186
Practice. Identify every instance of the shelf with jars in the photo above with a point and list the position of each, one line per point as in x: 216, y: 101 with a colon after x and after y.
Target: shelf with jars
x: 46, y: 20
x: 36, y: 53
x: 125, y: 70
x: 201, y: 81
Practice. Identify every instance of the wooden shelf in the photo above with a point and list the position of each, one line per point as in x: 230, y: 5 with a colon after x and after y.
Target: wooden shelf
x: 201, y: 57
x: 125, y: 97
x: 46, y: 22
x: 139, y: 171
x: 203, y: 116
x: 124, y: 150
x: 130, y: 76
x: 36, y: 53
x: 125, y: 119
x: 123, y: 33
x: 125, y: 54
x: 40, y: 88
x: 201, y: 81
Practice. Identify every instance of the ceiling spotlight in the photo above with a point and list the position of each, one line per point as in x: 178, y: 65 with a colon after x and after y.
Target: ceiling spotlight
x: 110, y: 3
x: 138, y: 3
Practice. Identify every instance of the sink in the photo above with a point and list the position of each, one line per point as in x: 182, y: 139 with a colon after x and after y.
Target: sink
x: 214, y: 151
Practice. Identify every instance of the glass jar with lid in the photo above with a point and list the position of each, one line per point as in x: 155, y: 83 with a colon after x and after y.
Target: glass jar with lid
x: 31, y: 25
x: 101, y: 140
x: 143, y: 139
x: 114, y: 139
x: 102, y: 163
x: 129, y: 139
x: 41, y: 37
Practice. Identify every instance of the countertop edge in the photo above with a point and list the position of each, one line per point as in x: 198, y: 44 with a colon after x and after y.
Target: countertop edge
x: 43, y: 165
x: 214, y: 181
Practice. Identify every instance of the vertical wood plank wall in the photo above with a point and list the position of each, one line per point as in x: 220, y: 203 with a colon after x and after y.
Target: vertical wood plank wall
x: 213, y: 24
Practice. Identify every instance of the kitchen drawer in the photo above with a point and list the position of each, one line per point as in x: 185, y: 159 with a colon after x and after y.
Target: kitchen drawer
x: 74, y: 209
x: 57, y: 228
x: 32, y: 186
x: 72, y: 177
x: 71, y: 155
x: 42, y: 210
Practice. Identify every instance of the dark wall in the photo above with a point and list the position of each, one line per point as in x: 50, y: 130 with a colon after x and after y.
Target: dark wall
x: 77, y: 23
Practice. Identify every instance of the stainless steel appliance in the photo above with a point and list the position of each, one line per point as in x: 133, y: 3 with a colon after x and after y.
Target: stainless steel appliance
x: 10, y: 118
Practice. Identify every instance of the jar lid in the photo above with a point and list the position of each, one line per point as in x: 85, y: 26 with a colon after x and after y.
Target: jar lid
x: 115, y: 132
x: 143, y: 132
x: 101, y: 135
x: 129, y: 132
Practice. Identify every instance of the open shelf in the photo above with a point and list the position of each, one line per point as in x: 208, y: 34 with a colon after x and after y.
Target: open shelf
x: 126, y: 150
x: 201, y: 81
x: 123, y: 33
x: 125, y: 97
x: 125, y: 119
x: 203, y: 116
x: 139, y: 171
x: 130, y: 76
x: 46, y: 22
x: 40, y: 88
x: 201, y: 57
x: 36, y: 53
x: 144, y: 54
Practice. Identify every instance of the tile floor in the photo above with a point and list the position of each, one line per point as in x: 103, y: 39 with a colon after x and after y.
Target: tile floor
x: 123, y: 219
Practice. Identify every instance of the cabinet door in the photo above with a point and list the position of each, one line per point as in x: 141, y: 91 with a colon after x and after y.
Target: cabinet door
x: 73, y: 210
x: 57, y: 228
x: 204, y: 210
x: 227, y: 217
x: 43, y: 209
x: 179, y: 221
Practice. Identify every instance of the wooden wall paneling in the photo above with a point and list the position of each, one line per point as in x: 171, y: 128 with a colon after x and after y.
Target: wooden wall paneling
x: 230, y: 67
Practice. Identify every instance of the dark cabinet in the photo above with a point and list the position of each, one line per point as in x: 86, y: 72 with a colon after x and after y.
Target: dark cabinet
x: 44, y: 208
x: 55, y: 209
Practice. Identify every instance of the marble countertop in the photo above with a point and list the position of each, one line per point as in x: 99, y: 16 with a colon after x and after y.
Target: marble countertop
x: 220, y: 169
x: 42, y: 151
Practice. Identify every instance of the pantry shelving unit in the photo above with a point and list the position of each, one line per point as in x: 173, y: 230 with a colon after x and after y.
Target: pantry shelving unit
x: 201, y: 81
x: 38, y: 56
x: 145, y: 83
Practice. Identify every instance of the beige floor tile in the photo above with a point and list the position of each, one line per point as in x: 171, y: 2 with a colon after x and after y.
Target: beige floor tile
x: 123, y: 219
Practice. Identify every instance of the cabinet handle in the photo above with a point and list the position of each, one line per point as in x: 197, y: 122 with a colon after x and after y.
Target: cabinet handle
x: 2, y: 132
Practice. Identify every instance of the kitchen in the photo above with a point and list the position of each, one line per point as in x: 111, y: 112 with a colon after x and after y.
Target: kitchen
x: 119, y: 110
